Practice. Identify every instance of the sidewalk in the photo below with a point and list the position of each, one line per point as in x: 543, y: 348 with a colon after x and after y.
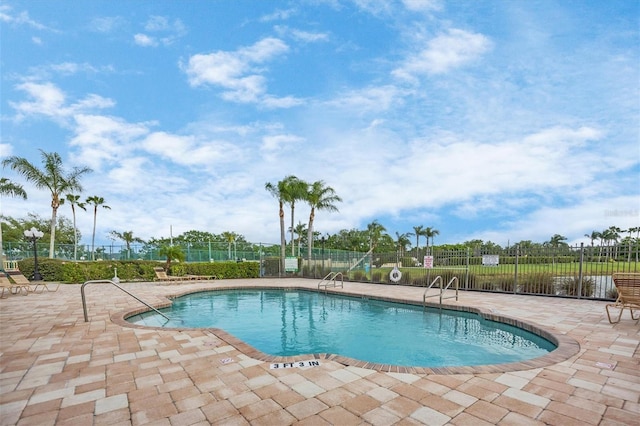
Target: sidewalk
x: 57, y: 369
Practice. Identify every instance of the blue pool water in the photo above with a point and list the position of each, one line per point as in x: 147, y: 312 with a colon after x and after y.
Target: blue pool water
x: 286, y: 323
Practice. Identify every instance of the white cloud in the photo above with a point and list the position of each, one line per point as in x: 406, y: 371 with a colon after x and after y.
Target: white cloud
x: 236, y: 72
x: 374, y: 98
x: 163, y: 25
x: 444, y: 53
x: 107, y: 24
x: 299, y: 35
x: 49, y: 100
x: 144, y: 40
x: 276, y: 142
x: 21, y: 18
x: 423, y: 5
x: 278, y: 15
x: 6, y: 150
x: 102, y: 139
x: 190, y: 150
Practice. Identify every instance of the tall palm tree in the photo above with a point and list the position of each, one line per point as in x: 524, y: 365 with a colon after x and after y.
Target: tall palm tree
x: 53, y: 177
x: 593, y: 236
x: 230, y: 237
x: 295, y: 190
x: 375, y: 231
x: 278, y: 191
x: 74, y: 200
x: 95, y: 201
x: 430, y: 232
x: 128, y: 238
x: 319, y: 197
x: 12, y: 190
x: 419, y: 231
x: 614, y: 235
x: 402, y: 241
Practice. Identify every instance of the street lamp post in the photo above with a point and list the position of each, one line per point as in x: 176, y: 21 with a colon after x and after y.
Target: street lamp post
x: 33, y: 234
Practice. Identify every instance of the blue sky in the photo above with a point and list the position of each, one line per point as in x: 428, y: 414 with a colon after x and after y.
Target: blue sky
x: 503, y: 121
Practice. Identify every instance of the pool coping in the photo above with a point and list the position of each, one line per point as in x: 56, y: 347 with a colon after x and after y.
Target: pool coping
x: 566, y: 347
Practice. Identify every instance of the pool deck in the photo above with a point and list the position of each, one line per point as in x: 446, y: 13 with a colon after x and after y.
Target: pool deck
x: 55, y: 368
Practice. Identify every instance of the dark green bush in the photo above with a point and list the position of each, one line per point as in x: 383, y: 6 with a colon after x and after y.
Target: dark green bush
x: 132, y: 270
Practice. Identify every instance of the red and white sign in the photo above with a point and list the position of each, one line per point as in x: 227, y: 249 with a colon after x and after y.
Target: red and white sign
x: 428, y: 262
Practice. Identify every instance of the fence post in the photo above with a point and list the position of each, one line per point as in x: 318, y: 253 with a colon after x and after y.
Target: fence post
x: 466, y: 278
x: 515, y: 278
x: 580, y: 271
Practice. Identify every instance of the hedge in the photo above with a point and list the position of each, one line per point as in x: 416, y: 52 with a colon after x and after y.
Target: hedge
x: 132, y: 270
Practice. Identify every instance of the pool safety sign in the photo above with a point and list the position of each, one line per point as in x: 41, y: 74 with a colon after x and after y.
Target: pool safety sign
x: 428, y: 262
x: 297, y: 364
x: 490, y: 260
x: 291, y: 264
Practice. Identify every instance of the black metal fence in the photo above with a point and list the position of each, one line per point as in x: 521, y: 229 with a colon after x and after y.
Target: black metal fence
x: 578, y: 271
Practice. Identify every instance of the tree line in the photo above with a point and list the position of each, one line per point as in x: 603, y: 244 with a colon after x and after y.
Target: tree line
x: 65, y: 186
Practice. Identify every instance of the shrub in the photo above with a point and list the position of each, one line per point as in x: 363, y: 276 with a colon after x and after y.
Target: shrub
x: 407, y: 262
x: 359, y: 276
x: 537, y: 283
x: 420, y: 281
x: 132, y: 270
x: 376, y: 277
x: 570, y: 286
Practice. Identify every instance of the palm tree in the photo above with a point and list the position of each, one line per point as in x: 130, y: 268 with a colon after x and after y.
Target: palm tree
x: 609, y: 235
x: 418, y: 232
x: 614, y: 235
x: 402, y: 241
x: 593, y: 236
x: 557, y: 240
x: 295, y: 190
x: 74, y: 201
x: 278, y: 191
x: 95, y: 201
x: 375, y: 231
x: 231, y: 239
x: 172, y: 253
x: 52, y: 177
x: 430, y: 232
x: 12, y: 190
x: 128, y: 238
x: 300, y: 230
x: 319, y: 197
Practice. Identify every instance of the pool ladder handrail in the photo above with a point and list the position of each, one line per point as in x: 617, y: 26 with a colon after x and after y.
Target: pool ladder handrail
x: 442, y: 290
x: 330, y: 280
x: 84, y: 301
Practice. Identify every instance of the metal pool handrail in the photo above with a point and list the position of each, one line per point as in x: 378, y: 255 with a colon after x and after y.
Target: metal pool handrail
x: 442, y: 289
x: 84, y: 302
x: 331, y: 278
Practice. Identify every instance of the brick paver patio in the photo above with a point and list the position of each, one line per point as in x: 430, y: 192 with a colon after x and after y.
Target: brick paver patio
x: 57, y: 369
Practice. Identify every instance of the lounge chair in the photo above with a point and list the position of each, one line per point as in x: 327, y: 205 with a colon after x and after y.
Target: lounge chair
x: 17, y: 277
x: 203, y: 277
x: 10, y: 287
x: 161, y: 275
x: 628, y: 286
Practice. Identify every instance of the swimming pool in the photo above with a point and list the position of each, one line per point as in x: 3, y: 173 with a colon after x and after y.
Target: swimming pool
x: 288, y: 323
